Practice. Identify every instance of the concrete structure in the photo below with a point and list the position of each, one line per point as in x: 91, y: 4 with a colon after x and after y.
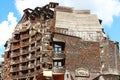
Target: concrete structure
x: 58, y: 43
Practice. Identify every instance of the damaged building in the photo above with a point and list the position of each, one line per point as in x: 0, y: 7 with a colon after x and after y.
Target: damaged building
x: 59, y: 43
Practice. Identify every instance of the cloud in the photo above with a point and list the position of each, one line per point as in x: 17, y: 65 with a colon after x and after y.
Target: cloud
x: 1, y: 52
x: 105, y: 9
x: 7, y: 27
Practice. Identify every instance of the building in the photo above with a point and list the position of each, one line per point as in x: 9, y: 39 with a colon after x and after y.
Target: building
x: 59, y: 43
x: 1, y: 70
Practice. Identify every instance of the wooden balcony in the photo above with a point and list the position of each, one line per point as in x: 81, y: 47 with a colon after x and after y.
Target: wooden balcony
x: 15, y: 62
x: 31, y: 66
x: 38, y: 38
x: 24, y: 59
x: 23, y: 75
x: 15, y: 54
x: 33, y: 33
x: 58, y: 70
x: 32, y: 74
x: 16, y: 32
x: 14, y: 69
x: 58, y: 55
x: 25, y: 36
x: 25, y: 43
x: 15, y: 47
x: 25, y: 51
x: 14, y: 40
x: 24, y: 67
x: 14, y: 76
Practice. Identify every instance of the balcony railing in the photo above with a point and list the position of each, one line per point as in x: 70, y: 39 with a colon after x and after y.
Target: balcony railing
x: 25, y: 43
x: 14, y: 40
x: 32, y: 33
x: 31, y: 66
x: 25, y: 51
x: 32, y: 57
x: 32, y: 74
x: 15, y: 54
x: 15, y: 62
x: 58, y: 55
x: 58, y: 69
x: 24, y: 59
x: 14, y: 69
x: 24, y: 67
x: 25, y: 36
x: 14, y: 76
x: 15, y: 47
x: 38, y: 38
x: 23, y: 75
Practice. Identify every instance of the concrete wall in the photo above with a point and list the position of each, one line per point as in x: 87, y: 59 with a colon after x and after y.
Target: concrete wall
x: 79, y: 23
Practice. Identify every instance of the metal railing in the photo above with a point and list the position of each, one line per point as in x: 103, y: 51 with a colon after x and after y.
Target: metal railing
x: 58, y: 69
x: 58, y: 55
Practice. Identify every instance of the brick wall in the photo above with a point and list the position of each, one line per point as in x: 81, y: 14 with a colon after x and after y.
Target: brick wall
x: 110, y: 56
x: 81, y: 54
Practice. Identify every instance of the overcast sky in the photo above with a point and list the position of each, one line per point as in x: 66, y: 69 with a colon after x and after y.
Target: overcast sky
x: 12, y: 10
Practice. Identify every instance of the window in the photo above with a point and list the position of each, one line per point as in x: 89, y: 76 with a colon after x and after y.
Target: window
x: 57, y: 48
x: 57, y: 63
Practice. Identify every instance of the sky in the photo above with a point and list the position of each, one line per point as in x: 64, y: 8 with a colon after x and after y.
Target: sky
x: 11, y: 12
